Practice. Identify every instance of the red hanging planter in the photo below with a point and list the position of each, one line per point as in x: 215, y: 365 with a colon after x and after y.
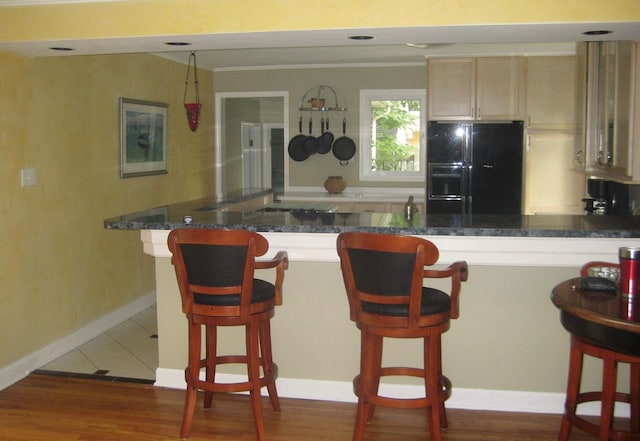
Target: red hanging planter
x: 192, y: 108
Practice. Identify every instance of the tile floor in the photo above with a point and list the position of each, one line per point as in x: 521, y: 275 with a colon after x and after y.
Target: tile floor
x: 126, y: 352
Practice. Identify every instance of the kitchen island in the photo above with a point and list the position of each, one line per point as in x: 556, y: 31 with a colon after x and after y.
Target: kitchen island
x: 506, y: 352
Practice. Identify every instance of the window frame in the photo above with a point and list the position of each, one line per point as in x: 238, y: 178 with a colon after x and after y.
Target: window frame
x: 368, y: 95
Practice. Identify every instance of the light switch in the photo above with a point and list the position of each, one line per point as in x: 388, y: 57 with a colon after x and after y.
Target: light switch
x: 28, y: 177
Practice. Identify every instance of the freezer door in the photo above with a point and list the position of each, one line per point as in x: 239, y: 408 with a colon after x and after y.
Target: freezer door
x: 447, y: 146
x: 496, y: 172
x: 446, y: 142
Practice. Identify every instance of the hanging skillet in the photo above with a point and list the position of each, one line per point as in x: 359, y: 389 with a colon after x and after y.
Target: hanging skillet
x: 344, y: 148
x: 325, y: 139
x: 295, y: 145
x: 310, y: 144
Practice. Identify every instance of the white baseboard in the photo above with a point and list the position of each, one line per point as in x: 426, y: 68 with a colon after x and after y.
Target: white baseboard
x: 472, y: 399
x: 21, y: 368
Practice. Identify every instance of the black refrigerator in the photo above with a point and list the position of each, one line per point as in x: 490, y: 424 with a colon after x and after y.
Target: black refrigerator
x: 474, y: 168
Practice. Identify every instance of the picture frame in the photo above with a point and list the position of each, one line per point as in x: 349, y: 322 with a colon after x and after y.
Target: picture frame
x: 143, y: 138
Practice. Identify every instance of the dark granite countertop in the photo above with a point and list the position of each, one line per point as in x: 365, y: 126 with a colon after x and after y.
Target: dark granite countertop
x: 212, y: 213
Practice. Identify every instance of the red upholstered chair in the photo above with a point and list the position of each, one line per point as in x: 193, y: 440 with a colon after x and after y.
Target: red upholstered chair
x: 612, y: 346
x: 215, y: 273
x: 383, y: 276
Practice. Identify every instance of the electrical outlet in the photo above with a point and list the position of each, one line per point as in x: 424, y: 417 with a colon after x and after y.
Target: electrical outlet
x: 28, y: 177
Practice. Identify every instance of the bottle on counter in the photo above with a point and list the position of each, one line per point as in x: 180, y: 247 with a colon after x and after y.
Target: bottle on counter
x: 410, y: 208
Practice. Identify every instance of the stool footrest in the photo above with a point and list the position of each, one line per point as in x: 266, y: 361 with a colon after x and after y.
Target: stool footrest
x: 404, y: 403
x: 594, y: 428
x: 603, y: 426
x: 242, y: 386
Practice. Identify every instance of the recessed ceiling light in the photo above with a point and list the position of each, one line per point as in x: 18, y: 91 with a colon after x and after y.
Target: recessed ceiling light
x: 361, y: 37
x: 178, y: 43
x: 598, y: 32
x: 60, y: 48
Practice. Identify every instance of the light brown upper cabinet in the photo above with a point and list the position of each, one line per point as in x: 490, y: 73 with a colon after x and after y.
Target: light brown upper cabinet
x: 604, y: 138
x: 484, y: 88
x: 551, y: 93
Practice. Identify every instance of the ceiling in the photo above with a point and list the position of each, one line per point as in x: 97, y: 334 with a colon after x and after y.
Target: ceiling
x: 390, y: 45
x: 327, y: 47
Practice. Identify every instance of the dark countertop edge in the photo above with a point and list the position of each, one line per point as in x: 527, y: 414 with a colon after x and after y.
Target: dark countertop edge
x: 170, y: 217
x: 202, y: 204
x: 424, y: 231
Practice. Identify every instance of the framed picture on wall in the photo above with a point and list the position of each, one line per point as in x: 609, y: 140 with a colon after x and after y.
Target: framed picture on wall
x: 143, y: 138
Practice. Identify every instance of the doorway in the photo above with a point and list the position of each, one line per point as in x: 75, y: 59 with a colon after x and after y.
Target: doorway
x: 249, y: 150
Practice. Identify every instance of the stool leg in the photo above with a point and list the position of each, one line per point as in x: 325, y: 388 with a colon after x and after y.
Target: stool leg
x: 634, y: 392
x: 432, y: 376
x: 443, y: 411
x: 211, y: 354
x: 609, y: 378
x: 253, y: 371
x: 376, y: 361
x: 191, y: 374
x: 367, y: 374
x: 573, y: 389
x: 267, y: 360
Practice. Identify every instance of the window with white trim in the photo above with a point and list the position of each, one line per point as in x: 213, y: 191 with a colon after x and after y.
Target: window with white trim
x: 392, y: 135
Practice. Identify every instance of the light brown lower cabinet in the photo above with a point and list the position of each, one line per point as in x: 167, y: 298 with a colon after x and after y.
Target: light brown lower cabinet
x: 552, y: 185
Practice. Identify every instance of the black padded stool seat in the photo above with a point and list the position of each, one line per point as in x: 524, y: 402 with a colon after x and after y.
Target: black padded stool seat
x: 614, y: 339
x: 215, y: 274
x: 383, y: 276
x: 432, y: 301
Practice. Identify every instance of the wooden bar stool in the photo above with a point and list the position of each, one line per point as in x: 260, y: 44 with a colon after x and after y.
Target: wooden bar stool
x: 215, y: 274
x: 612, y: 346
x: 383, y: 276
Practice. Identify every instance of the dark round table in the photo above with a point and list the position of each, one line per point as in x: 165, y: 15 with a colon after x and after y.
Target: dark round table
x: 607, y: 326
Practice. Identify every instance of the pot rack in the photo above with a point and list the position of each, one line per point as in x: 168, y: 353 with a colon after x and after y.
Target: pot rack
x: 317, y: 99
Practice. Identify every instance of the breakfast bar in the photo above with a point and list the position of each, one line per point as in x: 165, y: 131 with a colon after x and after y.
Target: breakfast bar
x: 507, y: 351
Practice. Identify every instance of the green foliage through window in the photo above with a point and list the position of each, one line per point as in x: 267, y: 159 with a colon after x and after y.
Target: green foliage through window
x: 395, y: 135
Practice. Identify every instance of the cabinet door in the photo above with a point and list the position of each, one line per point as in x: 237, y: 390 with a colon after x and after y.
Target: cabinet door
x: 451, y: 88
x: 345, y: 207
x: 551, y: 93
x: 619, y: 147
x: 371, y: 207
x: 552, y: 186
x: 500, y: 90
x: 581, y: 93
x: 589, y: 139
x: 610, y: 110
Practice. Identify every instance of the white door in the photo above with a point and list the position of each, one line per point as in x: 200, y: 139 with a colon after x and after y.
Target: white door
x: 252, y: 155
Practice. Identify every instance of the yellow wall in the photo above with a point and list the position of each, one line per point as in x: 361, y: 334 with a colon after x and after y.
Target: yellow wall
x: 60, y: 269
x: 167, y: 17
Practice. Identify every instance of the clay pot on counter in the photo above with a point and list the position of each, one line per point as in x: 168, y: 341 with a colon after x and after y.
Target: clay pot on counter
x: 335, y: 184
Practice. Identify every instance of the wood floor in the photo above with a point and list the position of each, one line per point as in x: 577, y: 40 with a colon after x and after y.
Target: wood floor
x: 43, y: 407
